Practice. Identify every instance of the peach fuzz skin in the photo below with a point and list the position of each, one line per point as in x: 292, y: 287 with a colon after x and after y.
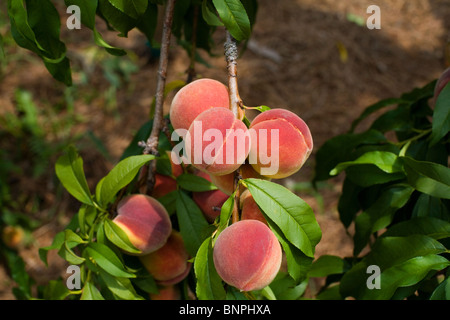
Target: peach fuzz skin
x: 295, y: 141
x: 196, y: 97
x: 250, y: 209
x: 247, y: 255
x: 145, y: 221
x: 211, y: 156
x: 169, y: 264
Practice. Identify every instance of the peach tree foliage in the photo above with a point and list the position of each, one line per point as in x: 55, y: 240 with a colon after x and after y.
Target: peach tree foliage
x: 396, y: 194
x: 91, y: 241
x: 36, y: 25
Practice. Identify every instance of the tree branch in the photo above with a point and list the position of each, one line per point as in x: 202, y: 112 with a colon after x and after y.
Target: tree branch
x: 236, y: 106
x: 151, y: 146
x: 231, y: 56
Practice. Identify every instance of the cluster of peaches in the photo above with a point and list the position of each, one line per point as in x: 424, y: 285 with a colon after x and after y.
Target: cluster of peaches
x: 247, y: 255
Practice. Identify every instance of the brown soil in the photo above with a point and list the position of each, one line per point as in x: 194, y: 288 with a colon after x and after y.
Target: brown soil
x: 295, y: 60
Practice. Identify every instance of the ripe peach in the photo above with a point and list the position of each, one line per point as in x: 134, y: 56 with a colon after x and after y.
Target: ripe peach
x: 287, y: 155
x: 250, y: 209
x: 247, y: 255
x: 163, y: 185
x: 169, y: 264
x: 145, y: 221
x: 217, y: 142
x: 196, y: 97
x: 171, y: 292
x: 209, y: 202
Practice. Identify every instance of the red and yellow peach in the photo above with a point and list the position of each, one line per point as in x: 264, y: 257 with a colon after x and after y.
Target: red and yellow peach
x: 247, y: 255
x: 145, y: 221
x: 169, y: 264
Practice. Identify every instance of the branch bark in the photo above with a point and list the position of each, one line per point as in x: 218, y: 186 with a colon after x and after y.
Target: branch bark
x: 236, y: 106
x: 231, y: 56
x: 151, y: 145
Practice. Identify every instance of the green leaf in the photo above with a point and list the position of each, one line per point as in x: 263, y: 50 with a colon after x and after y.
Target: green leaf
x: 193, y: 226
x: 116, y: 18
x: 286, y: 288
x: 234, y: 17
x: 69, y: 170
x: 428, y: 177
x: 348, y: 205
x: 57, y: 243
x: 429, y: 226
x: 192, y: 182
x: 225, y: 214
x: 117, y: 236
x: 106, y: 259
x: 87, y: 10
x: 340, y: 149
x: 109, y: 48
x: 37, y: 28
x: 209, y: 284
x: 55, y: 290
x: 386, y: 161
x: 67, y: 254
x: 148, y: 22
x: 132, y: 8
x: 169, y: 201
x: 90, y: 292
x: 86, y: 216
x: 406, y: 274
x: 19, y: 274
x: 428, y: 206
x: 298, y: 263
x: 367, y: 175
x: 326, y: 265
x: 120, y: 287
x: 44, y: 20
x: 289, y: 212
x: 120, y: 176
x: 403, y: 261
x: 210, y: 17
x: 375, y: 107
x: 380, y: 214
x: 442, y: 292
x: 441, y: 116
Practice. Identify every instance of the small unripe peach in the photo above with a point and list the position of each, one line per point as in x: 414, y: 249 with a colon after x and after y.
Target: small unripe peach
x: 169, y: 264
x: 217, y: 142
x: 145, y: 221
x: 13, y: 237
x: 209, y: 202
x: 250, y: 209
x: 196, y: 97
x: 247, y: 255
x: 285, y: 155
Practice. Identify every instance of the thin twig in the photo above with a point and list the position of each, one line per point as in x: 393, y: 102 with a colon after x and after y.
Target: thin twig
x: 151, y: 146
